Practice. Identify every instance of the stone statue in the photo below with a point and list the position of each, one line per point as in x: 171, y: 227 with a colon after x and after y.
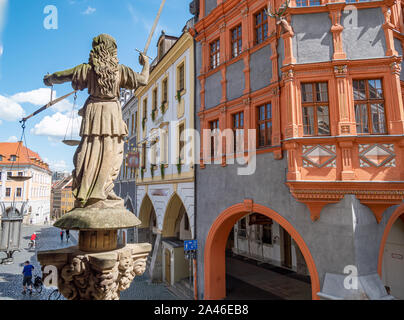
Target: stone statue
x: 99, y: 156
x: 99, y: 268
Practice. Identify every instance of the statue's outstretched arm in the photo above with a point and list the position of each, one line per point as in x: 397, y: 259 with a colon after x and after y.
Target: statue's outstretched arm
x: 59, y: 77
x: 144, y: 75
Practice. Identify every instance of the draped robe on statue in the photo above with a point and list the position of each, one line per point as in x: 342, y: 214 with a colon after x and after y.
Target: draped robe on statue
x: 99, y: 156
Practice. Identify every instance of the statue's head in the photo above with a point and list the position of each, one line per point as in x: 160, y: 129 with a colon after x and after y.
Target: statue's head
x: 106, y: 41
x: 104, y: 60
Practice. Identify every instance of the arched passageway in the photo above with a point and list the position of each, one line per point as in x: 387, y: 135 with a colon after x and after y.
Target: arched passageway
x: 391, y: 255
x: 215, y: 248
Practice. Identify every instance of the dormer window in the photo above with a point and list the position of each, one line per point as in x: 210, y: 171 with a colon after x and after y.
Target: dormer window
x: 13, y: 158
x: 161, y: 50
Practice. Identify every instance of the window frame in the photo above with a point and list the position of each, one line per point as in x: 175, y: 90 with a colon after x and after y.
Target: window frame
x: 181, y: 77
x: 369, y: 102
x: 155, y: 98
x: 238, y: 127
x: 264, y: 121
x: 314, y: 104
x: 238, y: 40
x: 213, y: 136
x: 261, y: 26
x: 164, y: 90
x: 214, y: 56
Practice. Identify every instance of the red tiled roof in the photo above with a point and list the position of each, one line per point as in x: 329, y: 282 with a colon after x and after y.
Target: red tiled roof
x: 25, y: 155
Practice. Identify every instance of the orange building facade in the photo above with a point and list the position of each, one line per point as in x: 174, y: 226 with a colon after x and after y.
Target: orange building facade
x: 31, y: 196
x: 322, y: 88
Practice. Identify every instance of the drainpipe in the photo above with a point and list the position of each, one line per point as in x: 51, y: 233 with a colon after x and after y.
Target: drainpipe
x: 195, y: 179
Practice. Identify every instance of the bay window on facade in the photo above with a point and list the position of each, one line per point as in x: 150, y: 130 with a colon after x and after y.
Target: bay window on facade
x: 261, y: 27
x: 236, y: 41
x: 369, y: 106
x: 265, y: 125
x: 214, y: 54
x: 315, y: 112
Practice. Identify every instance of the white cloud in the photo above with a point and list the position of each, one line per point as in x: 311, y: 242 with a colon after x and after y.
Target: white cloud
x: 59, y: 165
x: 90, y: 10
x: 10, y: 110
x: 12, y: 139
x: 57, y: 125
x: 36, y: 97
x: 41, y: 97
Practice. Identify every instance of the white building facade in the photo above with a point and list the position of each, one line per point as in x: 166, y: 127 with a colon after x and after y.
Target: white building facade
x: 165, y: 179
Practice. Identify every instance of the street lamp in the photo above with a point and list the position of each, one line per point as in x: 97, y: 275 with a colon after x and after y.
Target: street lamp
x: 10, y: 231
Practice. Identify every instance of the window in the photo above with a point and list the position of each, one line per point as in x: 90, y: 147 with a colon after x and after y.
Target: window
x: 181, y: 142
x: 145, y: 108
x: 165, y: 91
x: 238, y: 128
x: 8, y: 192
x: 305, y: 3
x: 265, y: 125
x: 155, y: 99
x: 267, y: 234
x: 1, y: 158
x: 236, y: 41
x: 214, y: 127
x: 9, y: 174
x: 316, y: 121
x: 214, y: 54
x: 161, y: 50
x: 19, y: 193
x: 13, y: 158
x: 133, y: 124
x: 369, y: 106
x: 143, y: 162
x: 261, y: 27
x: 242, y: 228
x: 181, y: 77
x: 20, y: 174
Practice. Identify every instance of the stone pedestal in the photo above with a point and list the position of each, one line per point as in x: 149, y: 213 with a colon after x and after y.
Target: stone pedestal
x: 96, y: 276
x: 96, y: 269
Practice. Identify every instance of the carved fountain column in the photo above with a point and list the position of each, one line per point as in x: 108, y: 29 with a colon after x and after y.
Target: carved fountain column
x: 98, y: 268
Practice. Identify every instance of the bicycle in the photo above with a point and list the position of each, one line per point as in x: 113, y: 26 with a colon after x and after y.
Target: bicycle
x: 55, y: 295
x: 37, y: 285
x: 30, y: 245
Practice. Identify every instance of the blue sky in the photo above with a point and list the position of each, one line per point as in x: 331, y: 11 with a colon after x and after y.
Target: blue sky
x: 28, y: 51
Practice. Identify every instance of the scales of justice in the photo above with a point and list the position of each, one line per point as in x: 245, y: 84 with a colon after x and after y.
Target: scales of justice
x: 98, y: 268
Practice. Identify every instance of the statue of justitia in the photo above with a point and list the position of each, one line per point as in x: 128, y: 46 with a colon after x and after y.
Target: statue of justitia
x: 99, y: 156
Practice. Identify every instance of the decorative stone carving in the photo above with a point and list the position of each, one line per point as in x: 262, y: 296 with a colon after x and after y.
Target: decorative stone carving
x: 377, y: 155
x: 319, y: 156
x: 96, y: 276
x: 396, y: 68
x: 341, y: 70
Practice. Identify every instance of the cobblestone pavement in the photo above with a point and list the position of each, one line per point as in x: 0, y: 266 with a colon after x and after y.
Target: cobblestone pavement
x: 48, y: 239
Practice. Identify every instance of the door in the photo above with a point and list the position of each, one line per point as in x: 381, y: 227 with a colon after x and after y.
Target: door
x: 287, y: 249
x: 167, y: 256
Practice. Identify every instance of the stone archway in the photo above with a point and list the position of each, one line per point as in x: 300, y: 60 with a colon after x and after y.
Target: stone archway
x: 146, y: 208
x: 395, y: 248
x: 174, y: 210
x: 215, y: 265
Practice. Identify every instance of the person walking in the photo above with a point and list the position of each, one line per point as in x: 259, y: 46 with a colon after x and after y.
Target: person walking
x: 27, y: 280
x: 33, y: 240
x: 67, y: 235
x: 61, y: 235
